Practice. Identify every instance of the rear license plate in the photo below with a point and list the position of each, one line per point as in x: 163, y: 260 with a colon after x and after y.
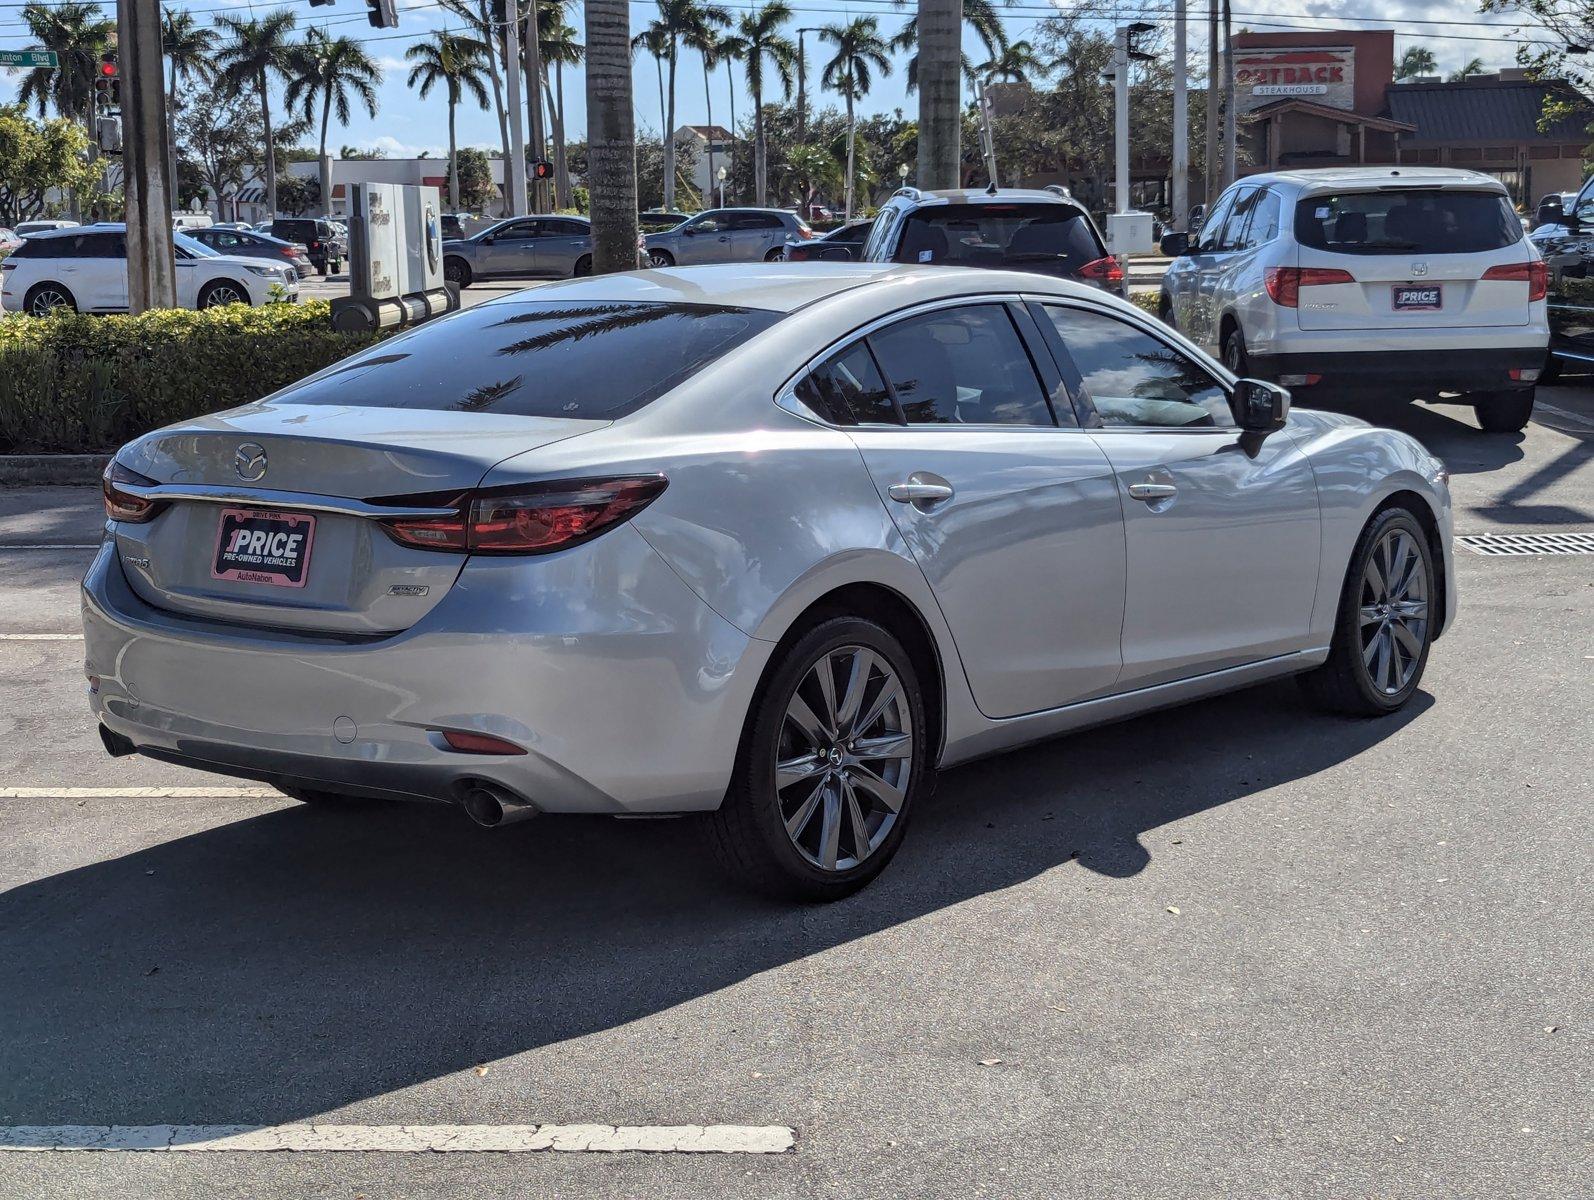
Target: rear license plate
x: 256, y: 545
x: 1417, y: 299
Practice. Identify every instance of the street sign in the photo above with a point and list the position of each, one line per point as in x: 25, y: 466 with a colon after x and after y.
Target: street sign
x: 29, y: 58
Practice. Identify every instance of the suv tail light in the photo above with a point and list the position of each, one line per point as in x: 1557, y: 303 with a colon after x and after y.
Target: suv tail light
x: 1284, y: 284
x: 1536, y: 274
x: 122, y: 505
x: 1102, y: 270
x: 529, y: 519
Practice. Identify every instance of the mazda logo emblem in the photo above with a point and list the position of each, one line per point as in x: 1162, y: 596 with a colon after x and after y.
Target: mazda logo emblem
x: 250, y: 462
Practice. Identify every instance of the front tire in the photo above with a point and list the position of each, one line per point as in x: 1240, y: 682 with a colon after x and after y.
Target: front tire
x: 223, y: 291
x: 1504, y: 412
x: 457, y: 271
x: 833, y: 758
x: 1385, y: 621
x: 660, y: 258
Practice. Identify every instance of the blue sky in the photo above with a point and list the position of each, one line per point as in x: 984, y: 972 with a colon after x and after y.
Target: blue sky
x: 407, y: 125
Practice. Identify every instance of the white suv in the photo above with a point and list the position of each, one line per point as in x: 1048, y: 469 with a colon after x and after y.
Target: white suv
x: 85, y: 269
x: 1405, y: 282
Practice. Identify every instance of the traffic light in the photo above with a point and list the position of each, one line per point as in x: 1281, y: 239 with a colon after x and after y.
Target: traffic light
x: 383, y: 14
x: 108, y: 83
x: 541, y: 168
x: 1137, y: 31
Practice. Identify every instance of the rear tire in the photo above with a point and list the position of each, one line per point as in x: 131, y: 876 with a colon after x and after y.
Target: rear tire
x: 583, y: 266
x: 45, y: 298
x: 774, y: 256
x: 1234, y: 355
x: 457, y: 271
x: 1551, y: 372
x: 1165, y: 310
x: 866, y: 757
x: 1384, y: 627
x: 1504, y: 412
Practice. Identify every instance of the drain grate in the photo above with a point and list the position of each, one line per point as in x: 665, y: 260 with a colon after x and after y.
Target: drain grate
x: 1528, y: 543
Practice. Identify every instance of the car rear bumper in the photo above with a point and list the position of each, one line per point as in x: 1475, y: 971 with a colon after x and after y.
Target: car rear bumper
x: 1405, y: 373
x: 628, y: 697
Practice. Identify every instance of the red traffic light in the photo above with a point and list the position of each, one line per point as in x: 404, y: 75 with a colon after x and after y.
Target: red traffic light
x: 107, y: 69
x: 541, y: 169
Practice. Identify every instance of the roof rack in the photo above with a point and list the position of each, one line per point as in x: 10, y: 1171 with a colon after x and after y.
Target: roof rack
x: 907, y: 190
x: 1058, y: 189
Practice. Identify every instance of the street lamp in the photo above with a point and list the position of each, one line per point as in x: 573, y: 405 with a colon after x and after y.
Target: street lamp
x: 902, y: 174
x: 720, y: 175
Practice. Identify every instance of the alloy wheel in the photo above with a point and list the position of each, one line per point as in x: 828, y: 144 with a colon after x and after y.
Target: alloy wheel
x: 844, y: 758
x: 47, y: 301
x: 1394, y: 611
x: 222, y: 294
x: 658, y: 258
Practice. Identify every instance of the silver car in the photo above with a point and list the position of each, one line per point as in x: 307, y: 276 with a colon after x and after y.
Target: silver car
x: 773, y: 544
x: 726, y: 235
x: 521, y: 248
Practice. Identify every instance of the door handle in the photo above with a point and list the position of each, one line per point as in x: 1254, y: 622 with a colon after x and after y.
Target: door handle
x: 1152, y: 491
x: 919, y: 491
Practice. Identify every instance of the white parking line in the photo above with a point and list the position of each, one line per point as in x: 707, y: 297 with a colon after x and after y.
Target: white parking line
x: 139, y: 793
x: 41, y: 637
x: 1578, y: 418
x: 400, y: 1139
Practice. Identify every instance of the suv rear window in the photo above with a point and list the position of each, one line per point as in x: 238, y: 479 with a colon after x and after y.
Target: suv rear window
x: 1055, y: 238
x: 583, y: 360
x: 1418, y: 221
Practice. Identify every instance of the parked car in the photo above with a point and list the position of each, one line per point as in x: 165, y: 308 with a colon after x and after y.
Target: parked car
x: 189, y: 221
x: 1048, y: 232
x: 9, y: 241
x: 1399, y: 282
x: 457, y: 225
x: 326, y: 246
x: 85, y: 269
x: 842, y: 244
x: 246, y: 243
x: 765, y: 544
x: 521, y: 248
x: 29, y: 228
x: 236, y: 225
x: 726, y: 235
x: 1567, y: 247
x: 656, y: 220
x: 1553, y: 207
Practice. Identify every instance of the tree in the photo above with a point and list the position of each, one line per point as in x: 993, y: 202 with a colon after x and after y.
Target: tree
x: 679, y: 21
x: 733, y: 49
x: 218, y: 138
x: 79, y: 34
x: 816, y: 168
x: 654, y: 41
x: 704, y: 37
x: 298, y: 194
x: 983, y: 21
x: 456, y: 63
x: 1473, y: 66
x: 760, y: 34
x: 560, y: 49
x: 326, y: 73
x: 488, y: 26
x: 611, y: 136
x: 859, y: 50
x: 258, y: 50
x: 36, y: 158
x: 1570, y: 24
x: 1015, y: 64
x: 1415, y: 61
x: 189, y: 48
x: 476, y: 189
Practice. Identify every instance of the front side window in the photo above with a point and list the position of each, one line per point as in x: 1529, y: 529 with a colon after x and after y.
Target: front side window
x: 846, y: 389
x: 1228, y: 238
x: 961, y: 366
x: 1212, y: 225
x: 1134, y: 379
x: 1414, y: 221
x: 577, y: 359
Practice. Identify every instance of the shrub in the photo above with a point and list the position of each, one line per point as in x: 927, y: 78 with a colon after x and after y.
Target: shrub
x: 71, y: 383
x: 1146, y: 300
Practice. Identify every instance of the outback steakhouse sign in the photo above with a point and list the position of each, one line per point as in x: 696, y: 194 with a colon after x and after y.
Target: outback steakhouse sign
x: 1323, y: 74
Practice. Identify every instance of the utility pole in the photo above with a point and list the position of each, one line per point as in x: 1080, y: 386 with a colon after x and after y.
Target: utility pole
x: 151, y: 267
x: 802, y: 82
x: 1120, y: 120
x: 539, y: 143
x: 515, y: 168
x: 1231, y: 165
x: 1209, y: 188
x: 1181, y: 120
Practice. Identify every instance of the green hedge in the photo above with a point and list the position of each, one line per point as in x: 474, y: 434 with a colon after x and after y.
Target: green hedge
x: 77, y: 384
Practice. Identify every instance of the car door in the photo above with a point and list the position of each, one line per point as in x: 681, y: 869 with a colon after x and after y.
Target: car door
x: 1217, y: 279
x: 191, y: 276
x: 1189, y: 302
x: 562, y: 244
x: 706, y: 238
x: 1013, y: 518
x: 755, y: 234
x: 1221, y: 527
x: 509, y: 250
x: 99, y: 275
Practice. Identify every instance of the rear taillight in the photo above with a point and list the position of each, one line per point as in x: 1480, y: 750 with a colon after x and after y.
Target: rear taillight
x: 1102, y: 270
x: 1284, y: 284
x: 121, y: 505
x: 1535, y: 274
x: 478, y: 743
x: 534, y: 519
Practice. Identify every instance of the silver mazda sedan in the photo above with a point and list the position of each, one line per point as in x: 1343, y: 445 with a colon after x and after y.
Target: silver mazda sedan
x: 772, y: 544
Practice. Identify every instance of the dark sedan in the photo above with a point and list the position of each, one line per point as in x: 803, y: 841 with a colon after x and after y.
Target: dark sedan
x: 245, y: 243
x: 842, y: 244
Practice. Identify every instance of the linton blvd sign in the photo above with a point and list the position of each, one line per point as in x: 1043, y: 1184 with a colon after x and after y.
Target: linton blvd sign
x: 29, y: 58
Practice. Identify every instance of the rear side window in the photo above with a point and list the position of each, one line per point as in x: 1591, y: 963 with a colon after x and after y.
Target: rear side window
x: 1026, y: 236
x: 961, y: 366
x: 847, y: 389
x: 587, y: 360
x: 1407, y: 222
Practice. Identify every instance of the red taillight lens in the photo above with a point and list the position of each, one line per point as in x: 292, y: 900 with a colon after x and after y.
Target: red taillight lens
x: 1535, y: 274
x: 122, y: 505
x: 1102, y: 270
x: 537, y: 519
x: 1284, y: 284
x: 478, y: 743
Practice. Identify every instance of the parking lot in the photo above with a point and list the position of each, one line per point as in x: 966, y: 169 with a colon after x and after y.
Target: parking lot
x: 1234, y: 949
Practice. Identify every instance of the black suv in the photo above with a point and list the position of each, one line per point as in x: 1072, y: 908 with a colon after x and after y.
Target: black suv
x: 1008, y: 228
x: 317, y: 235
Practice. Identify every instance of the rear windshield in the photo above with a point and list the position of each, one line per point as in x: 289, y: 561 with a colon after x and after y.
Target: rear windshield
x: 1046, y: 237
x: 587, y: 360
x: 1409, y: 222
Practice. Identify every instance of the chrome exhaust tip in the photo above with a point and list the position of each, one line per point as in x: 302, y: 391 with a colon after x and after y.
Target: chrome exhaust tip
x: 491, y: 806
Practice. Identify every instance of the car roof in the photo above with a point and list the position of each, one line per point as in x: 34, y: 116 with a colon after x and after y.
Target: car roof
x: 786, y: 287
x: 983, y: 196
x: 1331, y: 178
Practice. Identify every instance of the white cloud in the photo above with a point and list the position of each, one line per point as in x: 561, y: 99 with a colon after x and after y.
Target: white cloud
x: 394, y: 148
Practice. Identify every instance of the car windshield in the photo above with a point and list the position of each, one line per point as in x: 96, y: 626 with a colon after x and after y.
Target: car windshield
x: 194, y: 246
x: 1414, y: 221
x: 1032, y: 236
x: 578, y: 359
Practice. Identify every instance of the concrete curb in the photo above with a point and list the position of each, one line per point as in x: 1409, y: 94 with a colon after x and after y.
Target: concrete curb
x: 51, y: 470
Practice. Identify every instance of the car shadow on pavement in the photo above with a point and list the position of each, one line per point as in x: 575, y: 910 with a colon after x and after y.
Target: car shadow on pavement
x: 274, y: 968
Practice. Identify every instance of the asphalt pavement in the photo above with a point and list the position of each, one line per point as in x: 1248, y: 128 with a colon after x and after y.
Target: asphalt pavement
x: 1237, y: 949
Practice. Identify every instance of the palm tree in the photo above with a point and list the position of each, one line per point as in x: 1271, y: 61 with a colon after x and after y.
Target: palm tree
x: 811, y: 167
x: 733, y: 49
x: 611, y: 136
x: 1467, y: 70
x: 78, y: 33
x: 259, y: 49
x: 332, y: 71
x: 456, y: 63
x: 189, y: 48
x: 679, y: 20
x: 759, y: 32
x: 1015, y: 64
x: 561, y: 49
x: 655, y: 40
x: 1415, y: 61
x: 486, y: 18
x: 982, y: 19
x: 859, y: 50
x: 704, y: 37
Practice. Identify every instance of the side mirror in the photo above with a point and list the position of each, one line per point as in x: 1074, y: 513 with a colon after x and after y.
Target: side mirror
x: 1174, y: 245
x: 1259, y: 406
x: 486, y: 241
